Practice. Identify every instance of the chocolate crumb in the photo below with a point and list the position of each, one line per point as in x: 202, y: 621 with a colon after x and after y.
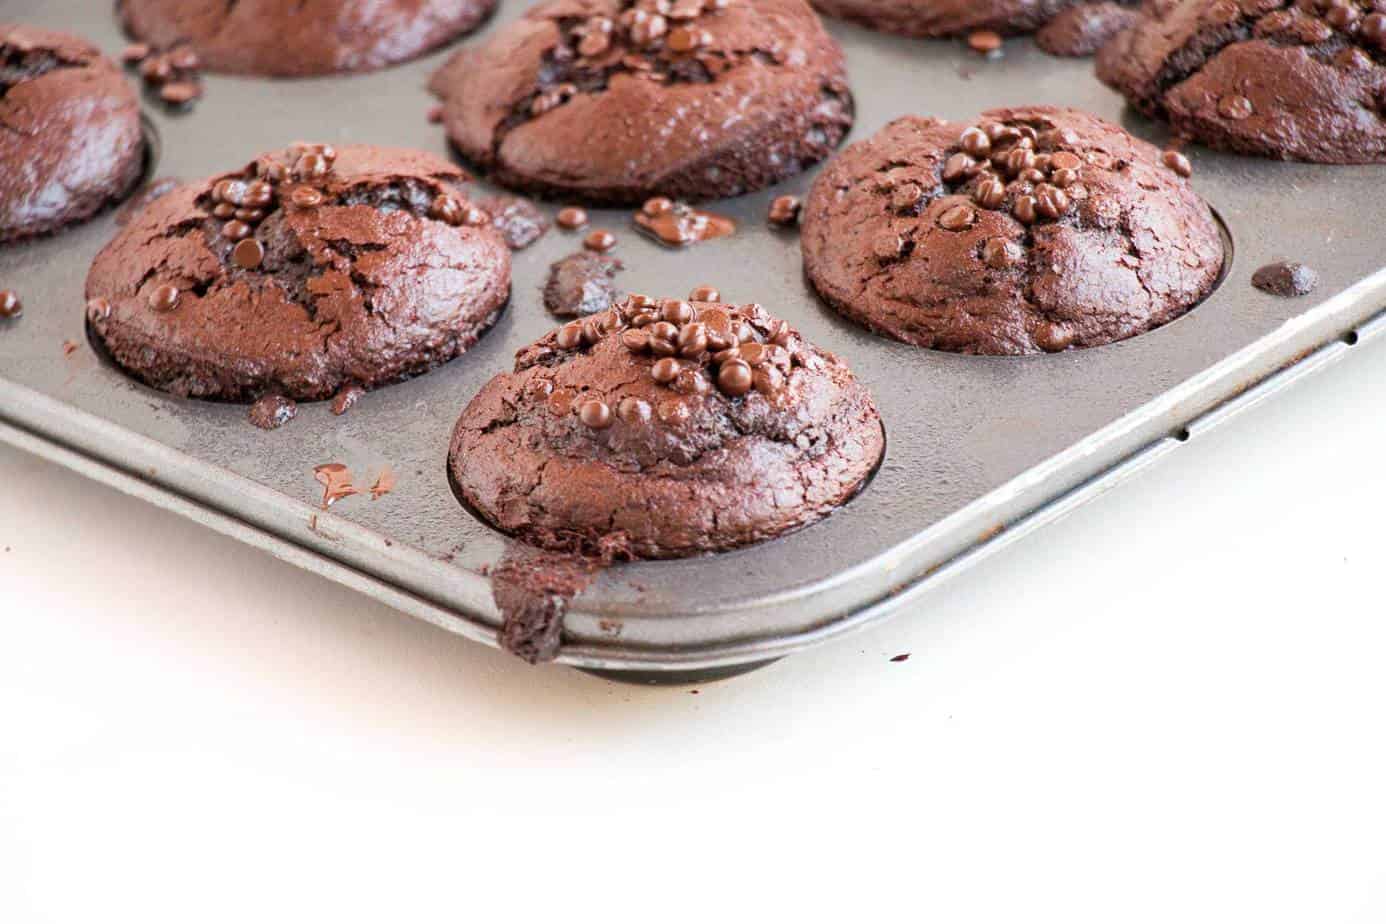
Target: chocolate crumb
x: 272, y: 411
x: 900, y: 657
x: 10, y: 305
x: 517, y: 219
x: 346, y: 399
x: 581, y: 284
x: 1287, y: 279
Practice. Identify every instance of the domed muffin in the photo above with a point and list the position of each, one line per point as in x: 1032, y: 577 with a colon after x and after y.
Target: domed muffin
x: 308, y: 270
x: 615, y: 101
x: 1033, y: 230
x: 665, y: 429
x: 72, y: 144
x: 1294, y: 81
x: 274, y: 38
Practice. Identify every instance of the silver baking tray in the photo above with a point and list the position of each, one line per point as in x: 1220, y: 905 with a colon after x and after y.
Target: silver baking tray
x: 981, y: 450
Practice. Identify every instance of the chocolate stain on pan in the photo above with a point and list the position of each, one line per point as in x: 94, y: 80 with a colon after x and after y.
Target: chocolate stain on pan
x: 678, y: 225
x: 532, y: 588
x: 336, y: 483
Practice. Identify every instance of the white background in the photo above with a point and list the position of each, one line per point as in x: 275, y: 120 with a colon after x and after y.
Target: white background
x: 1167, y: 708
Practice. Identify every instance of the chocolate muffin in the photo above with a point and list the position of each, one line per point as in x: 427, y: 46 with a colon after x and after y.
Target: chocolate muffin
x: 937, y: 18
x: 1036, y: 229
x: 615, y: 101
x: 273, y: 38
x: 307, y: 271
x: 72, y: 144
x: 1300, y: 80
x: 665, y: 429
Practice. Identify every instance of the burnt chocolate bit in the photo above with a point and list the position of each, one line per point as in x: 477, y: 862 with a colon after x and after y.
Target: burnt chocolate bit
x: 1287, y: 279
x: 10, y: 305
x: 272, y: 411
x: 582, y: 284
x: 517, y: 219
x: 676, y: 224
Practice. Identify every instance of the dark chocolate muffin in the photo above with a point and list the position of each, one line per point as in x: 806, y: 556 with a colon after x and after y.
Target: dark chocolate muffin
x: 71, y: 144
x: 275, y: 38
x: 936, y: 18
x: 1033, y: 230
x: 305, y: 272
x: 1290, y: 79
x: 615, y: 101
x: 666, y: 429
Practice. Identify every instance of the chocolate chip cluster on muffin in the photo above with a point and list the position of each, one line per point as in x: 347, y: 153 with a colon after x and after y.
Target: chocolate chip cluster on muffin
x: 1032, y: 230
x: 71, y: 143
x: 308, y: 271
x: 936, y: 18
x: 614, y: 101
x: 1290, y: 79
x: 661, y: 429
x: 276, y: 38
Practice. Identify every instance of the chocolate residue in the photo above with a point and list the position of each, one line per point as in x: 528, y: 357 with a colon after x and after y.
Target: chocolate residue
x: 346, y: 398
x: 532, y: 589
x: 678, y: 225
x: 581, y: 284
x: 900, y: 657
x: 1287, y: 279
x: 517, y: 219
x: 335, y: 481
x: 1080, y: 31
x: 272, y: 411
x: 384, y: 483
x: 137, y: 203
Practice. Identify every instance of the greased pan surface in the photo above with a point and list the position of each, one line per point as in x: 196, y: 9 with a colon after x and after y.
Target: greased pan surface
x: 977, y: 447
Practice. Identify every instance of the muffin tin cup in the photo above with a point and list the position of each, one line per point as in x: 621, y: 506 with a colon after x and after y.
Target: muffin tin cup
x: 981, y: 450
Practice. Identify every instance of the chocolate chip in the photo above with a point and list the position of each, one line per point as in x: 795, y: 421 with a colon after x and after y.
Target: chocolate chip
x: 984, y: 42
x: 10, y: 305
x: 657, y: 206
x: 999, y: 253
x: 665, y: 370
x: 990, y: 193
x: 180, y: 92
x: 572, y: 218
x: 235, y: 230
x: 447, y: 209
x: 1235, y: 107
x: 569, y: 336
x: 134, y: 54
x: 692, y: 340
x: 164, y: 298
x: 957, y: 218
x: 1178, y: 163
x: 1050, y: 201
x: 1025, y: 209
x: 595, y: 414
x: 305, y: 197
x: 975, y: 142
x: 734, y: 377
x: 635, y: 340
x: 958, y: 167
x: 705, y: 294
x: 784, y: 210
x: 311, y: 167
x: 1286, y: 279
x: 599, y: 241
x: 887, y: 246
x: 98, y: 309
x: 684, y: 39
x: 675, y: 311
x: 249, y: 254
x: 634, y: 411
x: 224, y: 210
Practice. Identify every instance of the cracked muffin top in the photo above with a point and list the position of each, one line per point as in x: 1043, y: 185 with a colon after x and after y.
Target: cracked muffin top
x: 615, y: 101
x: 307, y: 271
x: 1301, y: 80
x: 935, y: 18
x: 662, y: 429
x: 1032, y: 230
x: 71, y: 143
x: 275, y: 38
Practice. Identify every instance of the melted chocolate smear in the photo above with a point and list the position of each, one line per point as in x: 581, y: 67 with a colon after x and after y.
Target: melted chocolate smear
x: 900, y: 658
x: 532, y: 589
x: 272, y: 411
x: 1288, y: 279
x: 384, y: 483
x: 346, y: 399
x: 144, y: 198
x: 682, y: 225
x: 336, y: 483
x: 1080, y: 31
x: 581, y: 284
x: 69, y: 347
x: 518, y: 220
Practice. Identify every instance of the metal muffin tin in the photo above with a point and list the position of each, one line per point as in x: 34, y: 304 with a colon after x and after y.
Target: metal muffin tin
x: 980, y: 450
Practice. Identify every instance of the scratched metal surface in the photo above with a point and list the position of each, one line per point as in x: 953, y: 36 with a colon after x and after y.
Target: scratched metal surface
x: 974, y: 443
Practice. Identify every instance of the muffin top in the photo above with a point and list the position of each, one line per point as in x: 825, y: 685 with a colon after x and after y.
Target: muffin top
x: 660, y: 429
x: 617, y: 100
x: 1301, y: 80
x: 72, y: 143
x: 307, y: 270
x: 1031, y: 230
x: 276, y: 38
